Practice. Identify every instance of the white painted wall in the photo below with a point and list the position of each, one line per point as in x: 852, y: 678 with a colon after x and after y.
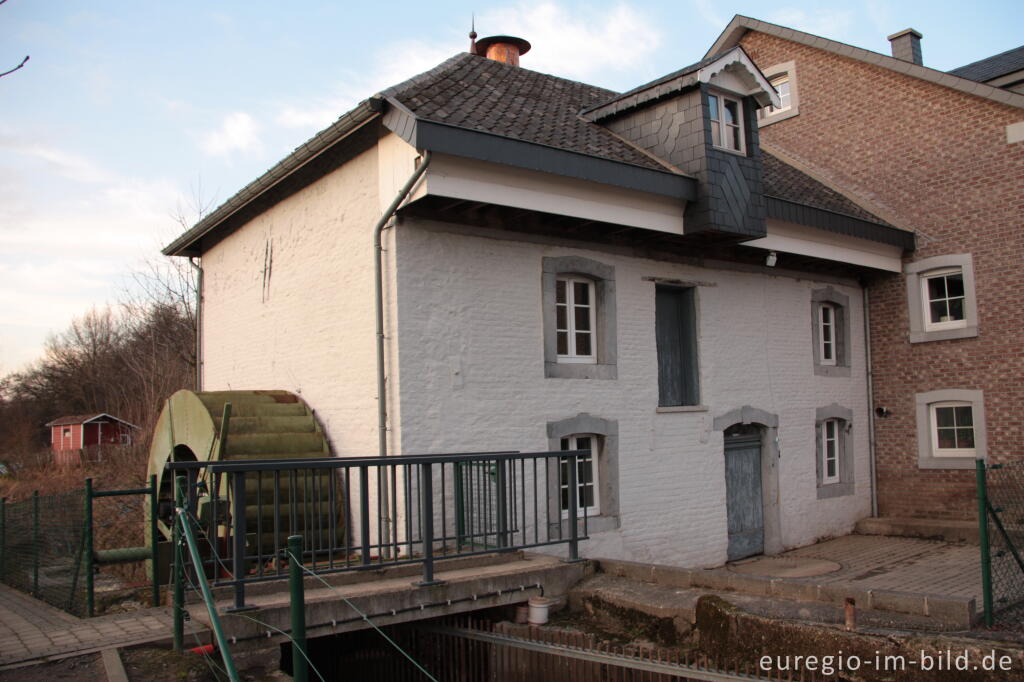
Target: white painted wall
x: 471, y: 362
x: 311, y: 330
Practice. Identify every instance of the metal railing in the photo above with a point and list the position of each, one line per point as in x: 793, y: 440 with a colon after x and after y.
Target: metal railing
x: 1000, y: 490
x: 444, y: 506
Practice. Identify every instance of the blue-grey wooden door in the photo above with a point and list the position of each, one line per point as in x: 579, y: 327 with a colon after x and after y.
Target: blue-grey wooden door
x: 744, y: 501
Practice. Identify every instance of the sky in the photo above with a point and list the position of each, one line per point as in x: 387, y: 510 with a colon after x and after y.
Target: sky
x: 130, y: 115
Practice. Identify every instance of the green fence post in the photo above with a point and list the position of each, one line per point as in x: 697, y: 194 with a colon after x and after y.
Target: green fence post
x: 35, y: 543
x: 986, y: 556
x: 90, y: 586
x: 300, y: 665
x: 155, y: 555
x: 179, y: 569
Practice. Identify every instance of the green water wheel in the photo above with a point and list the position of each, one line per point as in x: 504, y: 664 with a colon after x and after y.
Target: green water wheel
x: 262, y: 425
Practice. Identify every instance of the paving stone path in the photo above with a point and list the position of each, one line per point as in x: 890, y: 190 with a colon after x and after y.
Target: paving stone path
x: 33, y: 631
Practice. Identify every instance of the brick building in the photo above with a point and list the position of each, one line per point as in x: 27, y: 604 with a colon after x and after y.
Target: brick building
x: 941, y: 155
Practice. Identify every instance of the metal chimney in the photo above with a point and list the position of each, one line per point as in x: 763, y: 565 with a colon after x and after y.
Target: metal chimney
x: 505, y: 49
x: 906, y: 45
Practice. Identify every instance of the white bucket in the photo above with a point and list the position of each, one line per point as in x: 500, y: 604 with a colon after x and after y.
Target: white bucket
x: 539, y: 607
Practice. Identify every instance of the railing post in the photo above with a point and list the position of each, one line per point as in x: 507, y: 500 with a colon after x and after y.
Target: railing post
x: 154, y: 558
x: 35, y: 543
x: 986, y: 557
x: 574, y: 512
x: 427, y: 524
x: 502, y: 503
x: 300, y: 664
x: 90, y: 580
x: 179, y: 567
x: 364, y: 513
x: 238, y: 538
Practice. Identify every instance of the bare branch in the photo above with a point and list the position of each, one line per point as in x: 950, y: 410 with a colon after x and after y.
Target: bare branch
x: 7, y: 73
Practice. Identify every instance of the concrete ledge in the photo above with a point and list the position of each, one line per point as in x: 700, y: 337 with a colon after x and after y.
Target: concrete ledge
x: 958, y: 612
x: 927, y: 529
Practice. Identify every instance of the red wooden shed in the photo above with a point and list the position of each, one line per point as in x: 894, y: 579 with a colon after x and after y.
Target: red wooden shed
x: 70, y: 435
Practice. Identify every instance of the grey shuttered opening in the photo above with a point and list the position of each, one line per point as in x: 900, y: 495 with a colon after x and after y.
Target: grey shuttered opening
x: 676, y: 335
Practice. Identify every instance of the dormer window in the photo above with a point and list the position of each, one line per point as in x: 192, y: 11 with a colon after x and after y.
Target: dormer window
x: 726, y: 122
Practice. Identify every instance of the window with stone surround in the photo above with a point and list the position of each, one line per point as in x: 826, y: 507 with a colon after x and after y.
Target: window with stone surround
x: 830, y: 332
x: 950, y: 428
x: 834, y: 451
x: 941, y: 298
x: 597, y: 479
x: 588, y: 487
x: 579, y: 313
x: 783, y: 79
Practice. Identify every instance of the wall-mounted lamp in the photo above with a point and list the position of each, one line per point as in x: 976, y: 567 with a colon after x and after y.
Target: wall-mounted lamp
x: 882, y: 411
x: 772, y: 259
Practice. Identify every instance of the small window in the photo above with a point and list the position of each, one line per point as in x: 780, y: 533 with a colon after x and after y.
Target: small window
x: 830, y: 451
x: 67, y: 433
x: 827, y: 333
x: 783, y: 78
x: 575, y: 320
x: 781, y: 85
x: 587, y: 486
x: 726, y: 122
x: 952, y: 429
x: 675, y: 329
x: 944, y: 299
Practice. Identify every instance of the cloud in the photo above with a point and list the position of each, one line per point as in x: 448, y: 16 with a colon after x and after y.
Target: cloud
x: 822, y: 22
x: 708, y: 11
x: 238, y: 132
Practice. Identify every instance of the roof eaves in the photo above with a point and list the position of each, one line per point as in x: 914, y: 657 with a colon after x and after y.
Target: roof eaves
x: 348, y: 122
x: 740, y: 24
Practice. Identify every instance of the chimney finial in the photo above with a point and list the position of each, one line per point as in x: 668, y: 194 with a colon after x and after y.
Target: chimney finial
x: 472, y: 34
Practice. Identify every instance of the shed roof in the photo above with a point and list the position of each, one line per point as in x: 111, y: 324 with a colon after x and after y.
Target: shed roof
x: 86, y: 418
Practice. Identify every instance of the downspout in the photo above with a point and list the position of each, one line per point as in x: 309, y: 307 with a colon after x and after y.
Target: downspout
x: 199, y: 322
x: 378, y: 249
x: 871, y: 404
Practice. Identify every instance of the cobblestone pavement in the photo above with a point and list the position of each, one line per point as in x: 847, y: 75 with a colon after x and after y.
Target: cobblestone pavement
x: 31, y: 630
x: 875, y: 562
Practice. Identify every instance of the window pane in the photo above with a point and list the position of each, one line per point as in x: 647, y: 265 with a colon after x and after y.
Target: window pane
x: 560, y: 291
x: 713, y: 105
x: 581, y: 293
x: 562, y: 343
x: 947, y: 438
x: 826, y: 351
x: 715, y: 135
x: 956, y: 308
x: 582, y: 318
x: 734, y: 142
x: 583, y: 343
x: 583, y: 442
x: 944, y: 416
x: 965, y: 438
x: 587, y: 497
x: 936, y: 288
x: 826, y: 314
x: 939, y: 310
x: 731, y: 112
x: 830, y: 468
x: 565, y: 498
x: 561, y: 318
x: 955, y: 285
x: 964, y: 415
x: 584, y: 473
x: 565, y: 444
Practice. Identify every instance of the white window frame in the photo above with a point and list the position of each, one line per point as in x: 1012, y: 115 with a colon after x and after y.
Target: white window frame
x: 572, y: 443
x: 926, y: 308
x: 933, y: 427
x: 786, y: 100
x: 827, y: 334
x: 833, y: 439
x: 722, y: 126
x: 570, y: 319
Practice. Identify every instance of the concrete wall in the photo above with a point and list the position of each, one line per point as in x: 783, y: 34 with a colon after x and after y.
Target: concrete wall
x: 937, y: 161
x: 472, y: 365
x: 288, y: 304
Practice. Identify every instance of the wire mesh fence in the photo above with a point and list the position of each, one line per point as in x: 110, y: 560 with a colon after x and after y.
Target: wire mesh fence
x: 42, y: 548
x: 119, y: 522
x: 1003, y: 497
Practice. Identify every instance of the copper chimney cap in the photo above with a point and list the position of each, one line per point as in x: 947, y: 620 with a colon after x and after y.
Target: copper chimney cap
x: 505, y: 49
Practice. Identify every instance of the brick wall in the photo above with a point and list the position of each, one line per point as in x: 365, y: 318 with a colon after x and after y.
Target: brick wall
x: 936, y: 160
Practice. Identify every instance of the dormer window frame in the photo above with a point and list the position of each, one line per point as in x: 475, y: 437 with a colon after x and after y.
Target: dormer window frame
x: 718, y: 103
x: 778, y: 74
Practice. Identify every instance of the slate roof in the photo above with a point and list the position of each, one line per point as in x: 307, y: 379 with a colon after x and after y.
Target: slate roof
x: 786, y: 182
x: 481, y: 94
x: 993, y: 67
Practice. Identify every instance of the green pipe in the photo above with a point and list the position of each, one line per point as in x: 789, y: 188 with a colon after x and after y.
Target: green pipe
x: 154, y: 558
x: 300, y: 664
x: 218, y: 632
x: 179, y: 574
x: 35, y: 543
x: 986, y: 556
x: 90, y: 583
